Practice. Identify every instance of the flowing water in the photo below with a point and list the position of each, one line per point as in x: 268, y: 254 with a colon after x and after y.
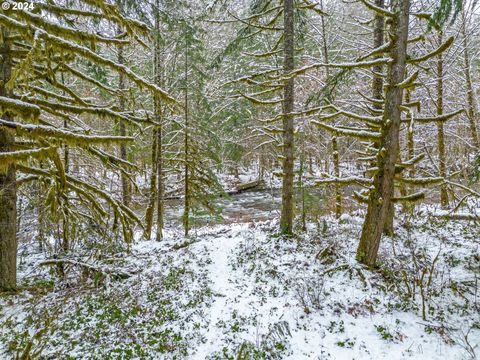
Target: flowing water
x: 248, y: 206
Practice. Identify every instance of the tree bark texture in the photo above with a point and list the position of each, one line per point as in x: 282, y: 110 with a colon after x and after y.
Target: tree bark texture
x: 287, y: 214
x: 380, y: 197
x: 8, y: 189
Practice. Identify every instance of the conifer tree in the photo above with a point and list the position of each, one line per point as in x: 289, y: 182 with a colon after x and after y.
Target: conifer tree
x: 199, y: 144
x: 383, y: 125
x: 274, y: 87
x: 36, y: 54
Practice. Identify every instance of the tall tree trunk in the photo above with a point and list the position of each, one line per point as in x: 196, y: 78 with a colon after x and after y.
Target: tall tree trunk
x: 126, y: 196
x: 159, y: 131
x: 336, y: 169
x: 335, y: 152
x: 378, y: 40
x: 440, y: 132
x: 160, y: 180
x: 380, y: 197
x: 160, y: 185
x: 286, y: 219
x: 8, y: 188
x: 186, y: 204
x: 301, y: 185
x: 408, y: 206
x: 471, y: 105
x: 410, y: 135
x: 377, y: 92
x: 65, y: 220
x: 153, y: 190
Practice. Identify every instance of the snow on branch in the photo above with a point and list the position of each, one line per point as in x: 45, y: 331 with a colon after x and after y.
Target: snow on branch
x: 439, y: 118
x: 425, y: 181
x: 413, y: 160
x: 69, y: 137
x: 260, y: 26
x: 412, y: 104
x: 409, y: 81
x: 257, y: 15
x: 264, y: 54
x: 99, y: 111
x: 87, y: 78
x: 261, y: 102
x: 433, y: 53
x: 307, y: 112
x: 324, y: 117
x: 422, y: 15
x: 379, y: 102
x: 312, y: 6
x: 65, y: 31
x: 60, y: 10
x: 112, y: 12
x: 93, y: 194
x: 110, y: 158
x: 463, y: 187
x: 369, y: 119
x: 120, y: 68
x: 273, y: 130
x: 360, y: 134
x: 21, y: 108
x: 87, y: 54
x: 352, y: 65
x: 50, y: 94
x: 360, y: 197
x: 249, y: 77
x: 409, y: 198
x: 377, y: 51
x: 416, y: 39
x: 377, y: 9
x: 260, y: 93
x: 10, y: 157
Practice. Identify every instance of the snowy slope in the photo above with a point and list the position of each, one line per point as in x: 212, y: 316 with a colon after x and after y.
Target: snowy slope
x: 240, y: 291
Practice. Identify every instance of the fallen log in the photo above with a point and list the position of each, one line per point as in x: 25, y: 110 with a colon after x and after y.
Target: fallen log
x: 104, y: 271
x: 458, y: 216
x: 184, y: 244
x: 247, y: 186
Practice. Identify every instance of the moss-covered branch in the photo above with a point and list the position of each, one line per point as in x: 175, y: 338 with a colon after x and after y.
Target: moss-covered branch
x: 360, y: 134
x: 82, y: 140
x: 444, y: 46
x: 19, y: 108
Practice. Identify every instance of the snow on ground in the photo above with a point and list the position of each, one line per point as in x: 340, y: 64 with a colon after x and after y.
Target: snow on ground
x: 242, y: 292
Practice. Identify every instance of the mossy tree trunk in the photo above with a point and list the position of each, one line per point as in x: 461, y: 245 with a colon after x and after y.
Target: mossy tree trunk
x: 159, y: 130
x: 287, y: 214
x: 380, y: 197
x: 408, y: 206
x: 8, y: 189
x: 377, y: 92
x: 66, y: 212
x: 336, y: 169
x: 126, y: 195
x: 440, y: 132
x: 159, y: 157
x: 153, y: 189
x: 186, y: 169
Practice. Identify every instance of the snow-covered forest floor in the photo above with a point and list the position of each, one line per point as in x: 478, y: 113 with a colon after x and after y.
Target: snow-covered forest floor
x: 241, y: 292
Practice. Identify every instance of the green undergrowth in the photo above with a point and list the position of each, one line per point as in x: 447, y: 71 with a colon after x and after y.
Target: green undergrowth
x: 159, y: 311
